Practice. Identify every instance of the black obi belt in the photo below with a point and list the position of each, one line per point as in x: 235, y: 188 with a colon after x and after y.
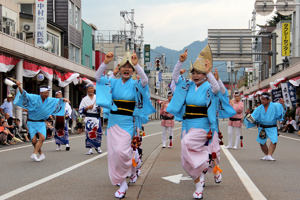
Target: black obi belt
x: 124, y: 107
x: 193, y: 111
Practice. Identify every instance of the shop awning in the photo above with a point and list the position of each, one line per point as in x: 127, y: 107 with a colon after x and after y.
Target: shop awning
x: 7, y: 63
x: 31, y: 70
x: 295, y: 81
x: 66, y: 79
x: 275, y: 84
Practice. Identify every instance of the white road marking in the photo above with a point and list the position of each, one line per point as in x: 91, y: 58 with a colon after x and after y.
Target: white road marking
x: 249, y: 185
x: 31, y: 145
x: 57, y: 174
x: 177, y: 178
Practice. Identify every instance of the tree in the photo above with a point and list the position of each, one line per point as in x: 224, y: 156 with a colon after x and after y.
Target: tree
x: 277, y: 18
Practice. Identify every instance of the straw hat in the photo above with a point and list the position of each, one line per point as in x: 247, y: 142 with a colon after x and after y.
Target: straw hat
x: 127, y: 58
x: 205, y: 54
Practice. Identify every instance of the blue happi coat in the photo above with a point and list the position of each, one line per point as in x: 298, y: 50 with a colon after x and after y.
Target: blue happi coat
x: 274, y: 112
x: 109, y: 89
x: 39, y: 110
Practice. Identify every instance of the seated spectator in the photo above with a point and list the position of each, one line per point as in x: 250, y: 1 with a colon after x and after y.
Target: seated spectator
x: 290, y: 125
x: 9, y: 135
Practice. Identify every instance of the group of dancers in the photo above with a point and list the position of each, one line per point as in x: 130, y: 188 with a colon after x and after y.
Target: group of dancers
x: 197, y: 102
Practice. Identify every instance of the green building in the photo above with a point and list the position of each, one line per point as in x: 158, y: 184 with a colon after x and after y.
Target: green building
x: 88, y: 45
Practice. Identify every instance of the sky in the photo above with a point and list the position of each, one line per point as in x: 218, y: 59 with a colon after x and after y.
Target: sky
x: 173, y: 24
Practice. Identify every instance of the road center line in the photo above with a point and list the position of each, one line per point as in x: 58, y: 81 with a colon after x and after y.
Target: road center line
x: 57, y: 174
x: 247, y: 182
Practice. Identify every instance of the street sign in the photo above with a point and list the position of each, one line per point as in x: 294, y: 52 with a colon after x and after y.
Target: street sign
x: 230, y: 44
x: 157, y: 79
x: 146, y: 53
x: 285, y: 43
x: 159, y: 76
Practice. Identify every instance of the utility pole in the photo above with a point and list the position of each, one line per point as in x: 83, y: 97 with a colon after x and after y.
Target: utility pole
x: 142, y: 44
x: 132, y: 32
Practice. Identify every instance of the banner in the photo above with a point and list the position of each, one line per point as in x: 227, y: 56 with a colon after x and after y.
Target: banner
x: 285, y: 94
x: 40, y: 22
x: 292, y: 94
x: 285, y: 43
x: 277, y: 94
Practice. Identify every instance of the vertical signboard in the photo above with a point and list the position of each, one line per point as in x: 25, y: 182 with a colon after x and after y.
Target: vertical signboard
x: 157, y: 79
x: 286, y: 95
x: 292, y: 94
x: 146, y: 53
x: 40, y: 22
x: 285, y: 43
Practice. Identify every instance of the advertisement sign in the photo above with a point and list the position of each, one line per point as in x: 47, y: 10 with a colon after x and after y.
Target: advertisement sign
x: 285, y: 94
x: 277, y: 94
x: 40, y: 22
x: 157, y: 80
x: 285, y: 43
x: 292, y: 94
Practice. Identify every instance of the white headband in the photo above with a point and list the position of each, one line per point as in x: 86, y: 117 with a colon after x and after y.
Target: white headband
x: 266, y: 96
x: 58, y: 92
x: 44, y: 89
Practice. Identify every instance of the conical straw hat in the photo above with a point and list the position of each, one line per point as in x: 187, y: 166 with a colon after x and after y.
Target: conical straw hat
x: 205, y: 54
x: 127, y: 58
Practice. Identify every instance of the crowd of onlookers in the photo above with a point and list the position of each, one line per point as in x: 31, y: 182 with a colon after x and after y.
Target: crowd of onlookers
x: 12, y: 131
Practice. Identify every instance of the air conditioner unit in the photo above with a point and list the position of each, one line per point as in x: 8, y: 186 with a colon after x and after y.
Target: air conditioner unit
x: 27, y: 27
x: 22, y: 36
x: 12, y: 32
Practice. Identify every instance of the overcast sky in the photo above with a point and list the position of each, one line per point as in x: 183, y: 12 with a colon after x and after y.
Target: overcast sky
x: 172, y: 23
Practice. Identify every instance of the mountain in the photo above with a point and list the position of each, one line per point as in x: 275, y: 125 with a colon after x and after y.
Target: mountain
x: 172, y: 56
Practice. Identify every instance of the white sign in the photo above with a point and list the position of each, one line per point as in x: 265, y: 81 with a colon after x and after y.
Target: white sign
x: 249, y: 70
x: 285, y: 94
x: 157, y: 80
x: 40, y: 22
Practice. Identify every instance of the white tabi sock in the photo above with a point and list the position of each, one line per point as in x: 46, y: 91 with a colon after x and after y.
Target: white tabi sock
x: 199, y: 187
x: 123, y: 186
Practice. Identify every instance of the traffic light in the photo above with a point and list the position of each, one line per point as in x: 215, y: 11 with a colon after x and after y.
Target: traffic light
x: 157, y: 64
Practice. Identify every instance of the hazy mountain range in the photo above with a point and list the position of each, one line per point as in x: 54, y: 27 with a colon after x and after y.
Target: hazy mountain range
x: 172, y: 56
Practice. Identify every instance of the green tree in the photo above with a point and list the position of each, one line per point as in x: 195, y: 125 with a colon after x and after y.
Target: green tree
x: 277, y: 18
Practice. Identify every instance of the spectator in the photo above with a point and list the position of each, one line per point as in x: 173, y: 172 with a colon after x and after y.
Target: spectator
x: 290, y: 125
x: 7, y: 106
x: 10, y: 136
x: 74, y: 117
x: 80, y: 120
x: 297, y: 114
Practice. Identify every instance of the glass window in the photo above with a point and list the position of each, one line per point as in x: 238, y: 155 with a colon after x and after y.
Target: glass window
x: 77, y: 18
x: 71, y: 13
x: 77, y: 55
x: 26, y: 8
x: 55, y: 42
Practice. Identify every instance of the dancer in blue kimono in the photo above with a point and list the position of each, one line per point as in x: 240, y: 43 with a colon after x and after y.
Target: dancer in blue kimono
x: 62, y: 136
x: 126, y: 99
x: 91, y: 111
x: 197, y: 97
x: 267, y: 115
x: 39, y: 107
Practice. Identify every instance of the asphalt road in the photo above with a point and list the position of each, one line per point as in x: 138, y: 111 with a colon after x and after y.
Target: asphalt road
x: 74, y: 175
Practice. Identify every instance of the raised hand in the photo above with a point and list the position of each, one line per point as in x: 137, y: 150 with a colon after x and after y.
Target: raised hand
x: 207, y: 66
x: 183, y: 56
x: 116, y: 70
x: 216, y: 74
x: 182, y: 71
x: 109, y: 57
x: 134, y: 59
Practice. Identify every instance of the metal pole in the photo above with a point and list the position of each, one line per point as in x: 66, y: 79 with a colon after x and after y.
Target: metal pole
x: 132, y: 30
x: 142, y: 44
x: 19, y: 77
x: 274, y: 53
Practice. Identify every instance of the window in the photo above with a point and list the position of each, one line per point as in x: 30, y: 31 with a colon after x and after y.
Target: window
x: 87, y: 61
x: 74, y: 53
x: 55, y: 42
x: 77, y: 18
x: 71, y: 13
x: 26, y: 8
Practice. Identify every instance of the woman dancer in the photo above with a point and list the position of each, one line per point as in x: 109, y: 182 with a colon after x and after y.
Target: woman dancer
x: 125, y: 98
x: 200, y: 114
